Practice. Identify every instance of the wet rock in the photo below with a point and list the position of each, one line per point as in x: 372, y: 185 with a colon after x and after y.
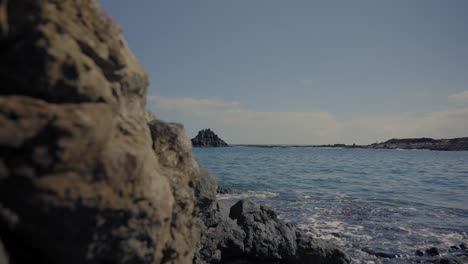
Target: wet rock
x: 312, y: 250
x: 207, y: 138
x: 379, y: 253
x: 251, y: 233
x: 336, y: 234
x: 419, y: 253
x: 454, y: 260
x: 463, y: 246
x: 454, y: 247
x: 86, y: 174
x: 224, y: 190
x: 265, y: 236
x: 433, y: 251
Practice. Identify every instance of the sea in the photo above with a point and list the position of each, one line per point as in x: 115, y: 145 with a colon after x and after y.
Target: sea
x: 365, y: 200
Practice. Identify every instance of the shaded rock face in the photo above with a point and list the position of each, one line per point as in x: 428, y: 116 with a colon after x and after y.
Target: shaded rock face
x: 3, y: 255
x: 86, y: 175
x: 251, y: 233
x: 207, y: 138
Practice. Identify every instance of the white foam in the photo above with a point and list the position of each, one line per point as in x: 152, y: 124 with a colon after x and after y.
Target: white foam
x: 410, y: 209
x: 429, y: 238
x: 248, y: 194
x: 328, y: 229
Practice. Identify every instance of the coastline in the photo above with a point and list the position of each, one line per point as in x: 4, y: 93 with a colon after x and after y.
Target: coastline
x: 453, y: 144
x: 370, y: 203
x: 89, y: 175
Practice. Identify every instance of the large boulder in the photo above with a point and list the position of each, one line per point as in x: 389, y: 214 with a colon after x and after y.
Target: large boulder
x: 84, y: 177
x: 252, y: 233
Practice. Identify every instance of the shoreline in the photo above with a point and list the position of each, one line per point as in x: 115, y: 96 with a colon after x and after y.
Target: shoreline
x: 453, y: 144
x: 341, y: 233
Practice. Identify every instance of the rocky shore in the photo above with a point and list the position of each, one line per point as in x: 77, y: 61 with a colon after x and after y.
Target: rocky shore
x: 251, y: 233
x: 207, y: 138
x: 88, y: 175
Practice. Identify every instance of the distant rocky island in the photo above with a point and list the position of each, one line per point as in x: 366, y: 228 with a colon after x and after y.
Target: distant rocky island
x: 208, y: 138
x: 453, y: 144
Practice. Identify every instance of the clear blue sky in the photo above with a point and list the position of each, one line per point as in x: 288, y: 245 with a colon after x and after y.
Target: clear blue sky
x: 346, y: 66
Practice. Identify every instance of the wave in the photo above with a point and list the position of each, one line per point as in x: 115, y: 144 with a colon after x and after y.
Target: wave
x: 247, y: 194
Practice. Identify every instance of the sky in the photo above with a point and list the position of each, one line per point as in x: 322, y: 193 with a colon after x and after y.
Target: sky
x: 303, y: 72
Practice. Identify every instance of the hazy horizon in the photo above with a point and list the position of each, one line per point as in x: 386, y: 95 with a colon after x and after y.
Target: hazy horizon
x: 303, y: 72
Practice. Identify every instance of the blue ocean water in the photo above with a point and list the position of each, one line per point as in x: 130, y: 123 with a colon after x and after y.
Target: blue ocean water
x: 392, y: 201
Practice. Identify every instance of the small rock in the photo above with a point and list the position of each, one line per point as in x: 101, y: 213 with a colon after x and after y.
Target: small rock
x: 455, y: 260
x: 379, y: 254
x: 224, y: 190
x: 454, y: 247
x: 335, y: 234
x: 419, y: 253
x: 433, y: 251
x: 445, y: 261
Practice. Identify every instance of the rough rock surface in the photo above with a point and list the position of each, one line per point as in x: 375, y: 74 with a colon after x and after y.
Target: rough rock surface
x: 207, y: 138
x: 454, y: 144
x: 456, y: 254
x: 84, y: 178
x: 251, y: 233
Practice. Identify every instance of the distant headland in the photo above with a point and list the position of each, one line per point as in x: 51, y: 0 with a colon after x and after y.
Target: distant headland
x: 453, y: 144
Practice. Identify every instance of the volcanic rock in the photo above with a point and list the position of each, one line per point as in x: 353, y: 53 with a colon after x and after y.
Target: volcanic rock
x: 207, y: 138
x: 84, y: 177
x: 433, y: 251
x: 419, y: 253
x: 379, y: 253
x: 252, y: 233
x: 224, y: 190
